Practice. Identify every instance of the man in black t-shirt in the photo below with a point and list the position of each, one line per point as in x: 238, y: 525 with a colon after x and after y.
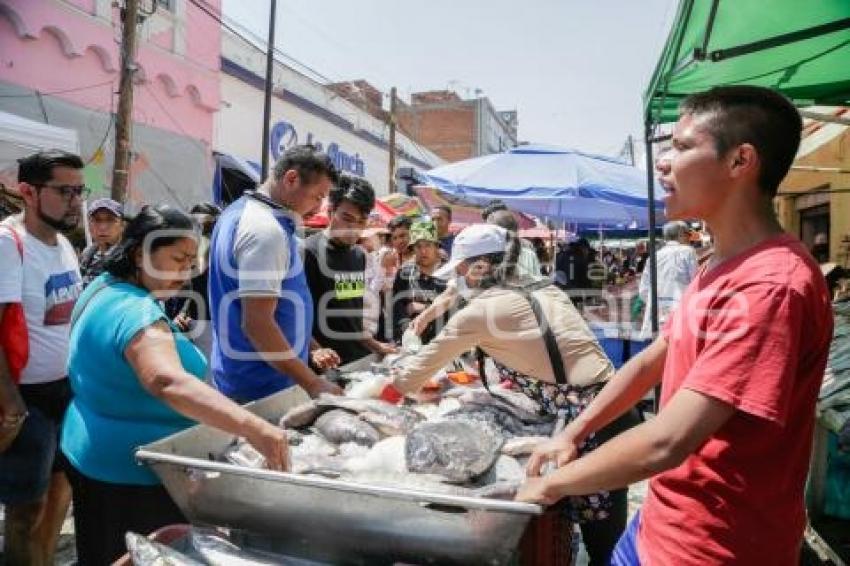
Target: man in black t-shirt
x: 335, y: 268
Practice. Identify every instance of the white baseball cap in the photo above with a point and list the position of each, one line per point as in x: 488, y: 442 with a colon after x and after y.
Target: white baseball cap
x: 473, y: 241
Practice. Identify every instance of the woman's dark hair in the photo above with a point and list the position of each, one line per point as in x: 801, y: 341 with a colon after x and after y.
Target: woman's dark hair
x: 494, y: 205
x: 209, y: 213
x: 355, y: 190
x: 206, y: 208
x: 400, y: 221
x: 503, y: 264
x: 162, y: 217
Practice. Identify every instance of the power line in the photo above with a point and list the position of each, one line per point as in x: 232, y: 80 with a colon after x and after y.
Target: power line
x: 64, y: 91
x: 109, y: 125
x: 230, y: 26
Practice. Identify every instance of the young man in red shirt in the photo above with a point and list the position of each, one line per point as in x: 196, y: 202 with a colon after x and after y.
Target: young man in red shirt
x: 740, y: 361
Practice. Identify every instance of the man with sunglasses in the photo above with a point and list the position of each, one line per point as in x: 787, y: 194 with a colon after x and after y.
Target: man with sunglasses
x: 336, y: 273
x: 41, y: 273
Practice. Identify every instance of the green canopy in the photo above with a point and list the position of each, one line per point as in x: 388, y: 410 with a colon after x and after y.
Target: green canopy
x: 801, y: 48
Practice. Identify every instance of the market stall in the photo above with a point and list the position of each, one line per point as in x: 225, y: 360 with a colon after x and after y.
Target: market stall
x: 801, y: 53
x: 327, y: 516
x: 20, y: 137
x: 552, y: 183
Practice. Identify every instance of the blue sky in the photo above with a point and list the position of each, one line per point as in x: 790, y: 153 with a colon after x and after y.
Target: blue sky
x: 574, y: 69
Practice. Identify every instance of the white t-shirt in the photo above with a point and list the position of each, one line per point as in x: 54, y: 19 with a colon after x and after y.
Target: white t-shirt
x: 48, y: 283
x: 677, y: 266
x: 261, y: 248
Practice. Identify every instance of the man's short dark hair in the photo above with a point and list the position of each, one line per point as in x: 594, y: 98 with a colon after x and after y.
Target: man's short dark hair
x: 446, y: 208
x: 399, y: 221
x: 37, y: 169
x: 504, y: 218
x: 755, y: 115
x: 355, y: 190
x: 494, y: 205
x: 309, y: 162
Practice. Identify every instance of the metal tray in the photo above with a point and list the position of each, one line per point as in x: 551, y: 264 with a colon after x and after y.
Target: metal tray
x: 331, y: 520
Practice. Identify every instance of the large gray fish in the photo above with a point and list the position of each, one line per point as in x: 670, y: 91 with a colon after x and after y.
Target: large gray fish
x: 145, y: 552
x: 356, y: 405
x: 458, y: 450
x: 523, y: 445
x: 339, y: 426
x: 502, y: 480
x: 388, y: 419
x: 302, y: 415
x: 513, y: 402
x: 398, y: 423
x: 504, y: 421
x: 506, y: 469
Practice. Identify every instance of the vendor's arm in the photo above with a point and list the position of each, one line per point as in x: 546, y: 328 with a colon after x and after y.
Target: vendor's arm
x: 378, y: 347
x: 260, y: 327
x: 153, y: 356
x: 444, y: 302
x: 685, y: 424
x: 465, y: 330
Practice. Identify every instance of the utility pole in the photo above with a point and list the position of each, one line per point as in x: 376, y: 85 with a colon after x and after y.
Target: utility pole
x: 124, y: 118
x: 392, y: 139
x: 267, y: 105
x: 631, y: 145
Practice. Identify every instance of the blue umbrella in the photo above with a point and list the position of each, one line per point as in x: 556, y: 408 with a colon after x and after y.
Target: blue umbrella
x: 552, y: 182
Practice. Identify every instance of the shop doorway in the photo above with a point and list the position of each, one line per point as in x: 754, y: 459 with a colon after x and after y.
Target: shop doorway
x: 814, y: 221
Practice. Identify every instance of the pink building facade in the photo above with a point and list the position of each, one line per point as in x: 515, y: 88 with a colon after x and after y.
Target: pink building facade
x: 59, y: 63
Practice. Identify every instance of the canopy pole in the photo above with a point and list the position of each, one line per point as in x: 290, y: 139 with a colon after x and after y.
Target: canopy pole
x: 653, y: 268
x: 653, y: 265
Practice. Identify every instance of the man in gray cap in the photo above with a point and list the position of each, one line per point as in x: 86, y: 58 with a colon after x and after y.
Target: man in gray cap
x: 106, y: 224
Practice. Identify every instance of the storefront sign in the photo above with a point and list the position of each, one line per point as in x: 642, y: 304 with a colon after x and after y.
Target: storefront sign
x: 284, y: 135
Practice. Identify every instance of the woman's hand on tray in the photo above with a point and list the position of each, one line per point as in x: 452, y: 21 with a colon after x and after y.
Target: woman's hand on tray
x: 271, y: 442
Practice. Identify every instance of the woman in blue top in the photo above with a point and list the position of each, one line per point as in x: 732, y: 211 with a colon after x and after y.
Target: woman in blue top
x: 136, y: 379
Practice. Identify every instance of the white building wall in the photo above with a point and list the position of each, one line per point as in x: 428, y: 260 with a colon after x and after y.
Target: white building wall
x: 238, y: 128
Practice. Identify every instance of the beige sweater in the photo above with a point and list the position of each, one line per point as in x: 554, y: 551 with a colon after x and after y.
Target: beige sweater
x: 502, y: 323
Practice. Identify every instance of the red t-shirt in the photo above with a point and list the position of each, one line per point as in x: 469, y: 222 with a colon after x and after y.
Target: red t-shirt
x: 754, y: 333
